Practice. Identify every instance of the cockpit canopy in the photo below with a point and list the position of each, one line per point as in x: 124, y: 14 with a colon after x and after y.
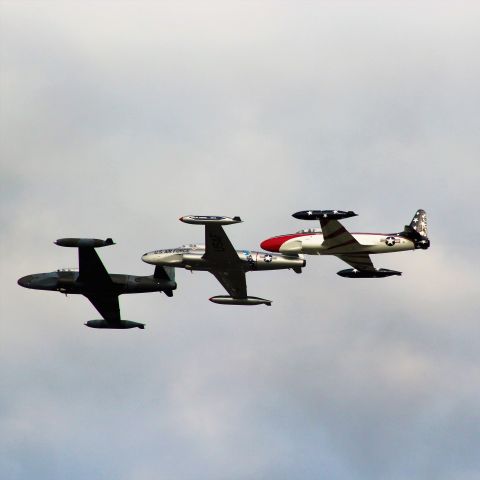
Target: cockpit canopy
x: 310, y: 230
x: 193, y: 246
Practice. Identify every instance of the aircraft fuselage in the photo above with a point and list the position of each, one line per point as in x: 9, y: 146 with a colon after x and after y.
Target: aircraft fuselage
x: 193, y: 258
x: 68, y: 281
x: 311, y: 242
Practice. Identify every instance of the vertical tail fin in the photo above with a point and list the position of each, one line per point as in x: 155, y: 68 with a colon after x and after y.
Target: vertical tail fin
x: 419, y: 223
x: 417, y: 231
x: 164, y: 273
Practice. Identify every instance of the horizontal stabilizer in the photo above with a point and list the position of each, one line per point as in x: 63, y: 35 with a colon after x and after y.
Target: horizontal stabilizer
x: 207, y: 219
x: 122, y: 324
x: 226, y: 300
x: 326, y: 214
x: 380, y: 273
x: 84, y: 242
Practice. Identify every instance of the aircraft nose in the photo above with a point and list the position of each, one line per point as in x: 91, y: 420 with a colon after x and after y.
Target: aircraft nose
x: 147, y: 258
x: 272, y: 244
x: 25, y: 281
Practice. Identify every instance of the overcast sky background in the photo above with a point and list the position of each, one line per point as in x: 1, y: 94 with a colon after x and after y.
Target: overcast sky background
x: 119, y: 117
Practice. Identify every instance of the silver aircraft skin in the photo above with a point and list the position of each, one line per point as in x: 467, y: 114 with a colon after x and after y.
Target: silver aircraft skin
x: 353, y: 248
x: 219, y: 257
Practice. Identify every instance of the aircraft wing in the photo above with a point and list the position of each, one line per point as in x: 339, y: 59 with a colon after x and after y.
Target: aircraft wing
x: 93, y: 272
x: 335, y: 235
x: 224, y: 262
x: 233, y: 281
x: 91, y: 268
x: 107, y: 306
x: 359, y: 261
x: 218, y: 248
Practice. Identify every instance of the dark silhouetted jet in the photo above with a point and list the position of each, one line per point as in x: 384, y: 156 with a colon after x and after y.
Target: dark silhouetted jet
x: 94, y: 282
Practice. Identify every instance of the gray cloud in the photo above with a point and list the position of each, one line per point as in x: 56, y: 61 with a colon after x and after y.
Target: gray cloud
x: 118, y: 117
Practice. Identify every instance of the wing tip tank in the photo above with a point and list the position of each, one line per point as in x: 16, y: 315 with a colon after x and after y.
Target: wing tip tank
x: 327, y: 214
x: 84, y: 242
x: 122, y: 325
x: 209, y: 219
x: 226, y: 300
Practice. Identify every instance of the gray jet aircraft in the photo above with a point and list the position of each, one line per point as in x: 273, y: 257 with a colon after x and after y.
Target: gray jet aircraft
x: 94, y: 282
x: 219, y: 257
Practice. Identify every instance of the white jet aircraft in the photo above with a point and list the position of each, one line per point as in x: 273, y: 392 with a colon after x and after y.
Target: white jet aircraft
x: 353, y: 248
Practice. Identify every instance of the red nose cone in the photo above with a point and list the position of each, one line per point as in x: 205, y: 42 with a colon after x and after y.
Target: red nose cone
x: 272, y: 244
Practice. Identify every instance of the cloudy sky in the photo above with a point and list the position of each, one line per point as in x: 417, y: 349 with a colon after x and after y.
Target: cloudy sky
x: 116, y: 118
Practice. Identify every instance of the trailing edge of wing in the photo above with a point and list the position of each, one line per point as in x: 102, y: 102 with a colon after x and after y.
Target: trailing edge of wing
x: 359, y: 261
x: 108, y: 307
x: 233, y: 281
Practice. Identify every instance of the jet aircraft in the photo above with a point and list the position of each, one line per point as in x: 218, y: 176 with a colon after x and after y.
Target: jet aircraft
x: 219, y: 257
x: 353, y: 248
x: 94, y: 282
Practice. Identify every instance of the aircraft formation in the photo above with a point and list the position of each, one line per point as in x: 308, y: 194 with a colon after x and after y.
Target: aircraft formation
x: 229, y: 266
